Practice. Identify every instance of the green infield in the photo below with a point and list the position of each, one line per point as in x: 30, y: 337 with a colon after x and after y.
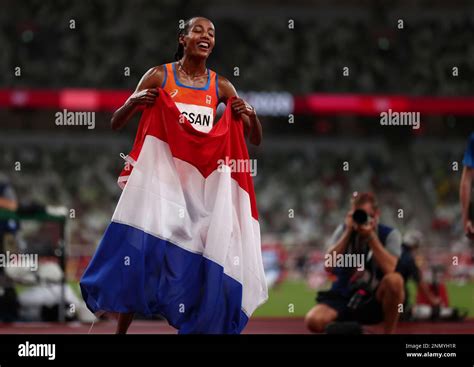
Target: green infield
x: 295, y: 298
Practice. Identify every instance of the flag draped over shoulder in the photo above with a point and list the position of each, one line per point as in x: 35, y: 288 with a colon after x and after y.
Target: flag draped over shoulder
x: 184, y: 240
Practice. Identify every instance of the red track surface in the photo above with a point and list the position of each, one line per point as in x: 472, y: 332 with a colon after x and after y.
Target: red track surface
x: 255, y: 326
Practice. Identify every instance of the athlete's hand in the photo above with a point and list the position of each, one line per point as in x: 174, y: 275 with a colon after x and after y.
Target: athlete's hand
x: 145, y: 97
x: 241, y: 107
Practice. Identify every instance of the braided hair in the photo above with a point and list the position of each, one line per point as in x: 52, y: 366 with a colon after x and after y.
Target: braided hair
x: 182, y: 32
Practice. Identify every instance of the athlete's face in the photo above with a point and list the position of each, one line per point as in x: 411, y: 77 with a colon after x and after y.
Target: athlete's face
x: 200, y: 39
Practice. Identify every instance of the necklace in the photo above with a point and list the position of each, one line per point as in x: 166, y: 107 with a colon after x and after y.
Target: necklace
x: 190, y: 76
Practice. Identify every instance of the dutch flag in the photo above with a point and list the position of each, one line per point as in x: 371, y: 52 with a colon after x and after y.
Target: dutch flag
x: 184, y: 240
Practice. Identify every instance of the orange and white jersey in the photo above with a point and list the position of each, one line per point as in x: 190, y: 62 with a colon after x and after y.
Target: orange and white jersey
x: 197, y: 104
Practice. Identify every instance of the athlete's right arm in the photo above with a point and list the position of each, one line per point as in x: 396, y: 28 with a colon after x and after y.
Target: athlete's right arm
x: 144, y: 95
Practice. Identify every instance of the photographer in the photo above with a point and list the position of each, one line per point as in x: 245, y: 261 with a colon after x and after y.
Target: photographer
x: 8, y: 228
x: 369, y: 295
x: 409, y: 269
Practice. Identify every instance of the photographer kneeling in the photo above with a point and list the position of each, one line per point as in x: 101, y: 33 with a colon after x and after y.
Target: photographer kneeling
x: 363, y: 256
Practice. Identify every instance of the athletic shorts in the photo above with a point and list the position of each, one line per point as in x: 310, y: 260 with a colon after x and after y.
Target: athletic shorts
x: 371, y: 312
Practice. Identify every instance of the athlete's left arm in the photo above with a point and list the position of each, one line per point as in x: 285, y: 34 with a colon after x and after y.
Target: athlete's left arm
x: 252, y: 126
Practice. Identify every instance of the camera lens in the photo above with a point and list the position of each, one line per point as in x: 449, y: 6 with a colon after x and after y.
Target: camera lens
x: 360, y: 216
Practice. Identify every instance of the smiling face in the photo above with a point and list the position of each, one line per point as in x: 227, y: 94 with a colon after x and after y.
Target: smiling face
x: 199, y: 40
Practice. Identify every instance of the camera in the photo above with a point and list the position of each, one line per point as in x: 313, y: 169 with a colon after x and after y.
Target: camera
x: 360, y: 217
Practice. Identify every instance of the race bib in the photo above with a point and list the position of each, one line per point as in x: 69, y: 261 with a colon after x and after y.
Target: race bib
x: 200, y: 117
